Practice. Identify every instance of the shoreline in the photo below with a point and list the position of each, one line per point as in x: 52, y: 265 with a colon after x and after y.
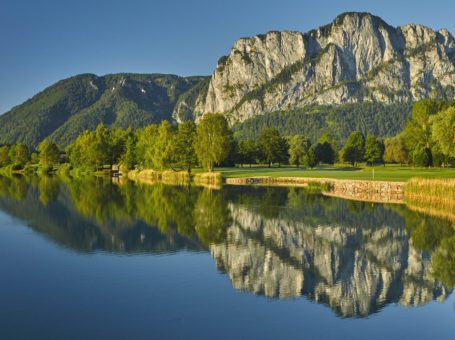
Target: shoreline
x: 359, y: 190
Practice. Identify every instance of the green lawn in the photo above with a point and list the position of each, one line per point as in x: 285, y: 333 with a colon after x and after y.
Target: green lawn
x: 388, y: 173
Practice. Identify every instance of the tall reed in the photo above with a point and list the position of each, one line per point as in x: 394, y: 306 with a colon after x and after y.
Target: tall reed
x: 432, y: 196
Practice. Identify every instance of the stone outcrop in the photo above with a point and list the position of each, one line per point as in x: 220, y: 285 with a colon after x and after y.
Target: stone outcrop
x: 358, y: 57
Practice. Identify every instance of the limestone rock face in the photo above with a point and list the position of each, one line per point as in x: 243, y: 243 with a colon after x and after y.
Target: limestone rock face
x: 358, y: 57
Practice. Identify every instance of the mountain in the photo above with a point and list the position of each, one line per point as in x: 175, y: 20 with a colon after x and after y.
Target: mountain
x: 356, y: 58
x: 70, y: 106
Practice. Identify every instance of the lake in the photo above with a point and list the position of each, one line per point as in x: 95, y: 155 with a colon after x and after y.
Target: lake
x: 89, y: 259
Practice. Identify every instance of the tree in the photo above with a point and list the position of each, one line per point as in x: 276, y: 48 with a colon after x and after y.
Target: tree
x: 298, y: 148
x: 353, y: 151
x: 4, y: 156
x: 396, y: 150
x: 18, y: 154
x: 99, y: 149
x: 162, y: 154
x: 325, y: 137
x: 246, y: 152
x: 129, y: 156
x: 421, y: 156
x: 418, y: 130
x: 324, y: 153
x: 271, y: 146
x: 184, y: 152
x: 214, y: 140
x: 144, y: 147
x: 49, y: 153
x: 373, y: 150
x: 443, y: 131
x: 310, y: 160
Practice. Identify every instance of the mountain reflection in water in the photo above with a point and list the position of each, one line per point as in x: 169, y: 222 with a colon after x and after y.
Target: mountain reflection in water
x: 282, y: 243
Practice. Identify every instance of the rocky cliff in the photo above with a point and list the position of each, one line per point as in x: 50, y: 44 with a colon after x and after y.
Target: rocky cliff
x: 356, y: 58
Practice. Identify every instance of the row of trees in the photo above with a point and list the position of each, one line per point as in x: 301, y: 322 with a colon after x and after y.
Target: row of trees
x: 157, y: 147
x: 18, y: 155
x: 428, y: 139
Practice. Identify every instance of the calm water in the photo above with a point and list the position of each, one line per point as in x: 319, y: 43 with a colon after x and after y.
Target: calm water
x: 91, y: 259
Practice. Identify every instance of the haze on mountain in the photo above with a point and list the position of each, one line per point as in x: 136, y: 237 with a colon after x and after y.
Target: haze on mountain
x: 358, y: 59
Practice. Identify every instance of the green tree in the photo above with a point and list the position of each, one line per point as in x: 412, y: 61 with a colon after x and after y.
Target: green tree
x: 246, y: 152
x: 325, y: 137
x: 18, y: 153
x: 146, y: 138
x: 310, y: 160
x: 162, y: 154
x: 4, y: 156
x: 184, y: 151
x: 298, y: 148
x: 396, y: 150
x: 99, y: 148
x: 271, y: 146
x: 49, y: 153
x: 373, y: 150
x: 354, y: 149
x: 421, y: 156
x: 443, y: 131
x: 129, y: 156
x: 418, y: 130
x: 214, y: 140
x: 324, y: 153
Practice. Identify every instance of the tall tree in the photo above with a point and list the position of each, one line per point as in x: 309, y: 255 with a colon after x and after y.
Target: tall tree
x: 310, y: 160
x: 444, y: 131
x: 184, y: 151
x: 129, y: 156
x: 163, y: 147
x: 146, y: 138
x: 18, y: 154
x: 4, y: 156
x: 326, y: 137
x: 324, y: 153
x: 373, y: 150
x: 298, y: 148
x: 270, y: 146
x: 214, y: 140
x: 396, y: 150
x: 49, y: 153
x: 354, y: 148
x: 246, y: 152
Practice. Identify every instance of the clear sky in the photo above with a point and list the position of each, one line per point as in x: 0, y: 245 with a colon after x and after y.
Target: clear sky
x: 43, y: 41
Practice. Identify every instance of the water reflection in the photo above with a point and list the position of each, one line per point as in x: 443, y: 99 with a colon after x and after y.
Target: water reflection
x: 278, y: 242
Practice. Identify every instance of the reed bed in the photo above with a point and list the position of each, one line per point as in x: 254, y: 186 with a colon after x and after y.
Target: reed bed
x: 432, y: 196
x: 206, y: 179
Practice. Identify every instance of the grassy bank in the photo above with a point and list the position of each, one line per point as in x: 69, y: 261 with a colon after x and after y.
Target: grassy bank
x: 432, y: 196
x: 387, y: 173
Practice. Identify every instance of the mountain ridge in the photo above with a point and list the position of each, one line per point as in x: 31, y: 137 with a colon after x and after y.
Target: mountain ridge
x: 357, y: 58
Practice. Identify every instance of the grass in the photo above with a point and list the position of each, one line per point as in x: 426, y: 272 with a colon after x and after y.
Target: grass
x: 432, y: 196
x: 387, y: 173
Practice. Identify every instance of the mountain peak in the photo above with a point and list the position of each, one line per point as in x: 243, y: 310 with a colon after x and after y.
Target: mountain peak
x: 357, y: 57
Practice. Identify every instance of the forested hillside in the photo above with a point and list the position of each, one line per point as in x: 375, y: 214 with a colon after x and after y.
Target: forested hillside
x: 80, y: 103
x: 339, y: 121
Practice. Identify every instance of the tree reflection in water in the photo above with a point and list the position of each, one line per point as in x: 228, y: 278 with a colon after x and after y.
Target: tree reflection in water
x: 355, y: 257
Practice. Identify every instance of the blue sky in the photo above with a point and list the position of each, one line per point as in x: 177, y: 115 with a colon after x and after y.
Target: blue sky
x: 43, y: 41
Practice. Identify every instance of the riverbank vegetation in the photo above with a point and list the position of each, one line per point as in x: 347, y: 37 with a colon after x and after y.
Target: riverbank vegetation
x: 427, y: 141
